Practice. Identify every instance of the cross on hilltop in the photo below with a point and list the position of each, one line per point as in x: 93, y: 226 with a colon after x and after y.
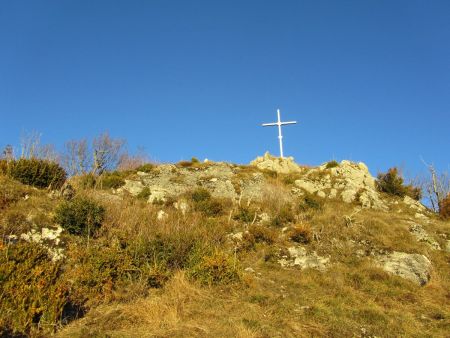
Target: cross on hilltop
x: 279, y: 124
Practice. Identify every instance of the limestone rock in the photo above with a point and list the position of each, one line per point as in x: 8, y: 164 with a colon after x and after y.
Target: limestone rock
x: 280, y: 165
x: 422, y: 236
x: 301, y: 258
x: 413, y: 204
x: 413, y: 267
x: 161, y: 215
x: 133, y: 187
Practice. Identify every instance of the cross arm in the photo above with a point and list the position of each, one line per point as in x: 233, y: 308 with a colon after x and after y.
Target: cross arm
x: 289, y: 122
x: 269, y: 124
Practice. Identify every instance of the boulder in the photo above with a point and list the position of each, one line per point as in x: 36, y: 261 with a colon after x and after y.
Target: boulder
x: 414, y: 267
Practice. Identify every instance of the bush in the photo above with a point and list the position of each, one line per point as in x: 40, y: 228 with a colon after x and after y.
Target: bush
x: 144, y: 194
x: 261, y: 233
x: 35, y: 172
x: 112, y: 180
x: 284, y: 216
x: 204, y: 202
x: 332, y: 164
x: 146, y: 168
x: 88, y: 181
x: 301, y: 234
x: 310, y: 202
x: 245, y: 214
x: 33, y: 295
x: 215, y: 268
x: 80, y: 216
x: 444, y: 207
x: 392, y: 184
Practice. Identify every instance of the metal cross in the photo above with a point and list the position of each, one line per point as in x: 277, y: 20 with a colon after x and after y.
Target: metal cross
x: 279, y: 124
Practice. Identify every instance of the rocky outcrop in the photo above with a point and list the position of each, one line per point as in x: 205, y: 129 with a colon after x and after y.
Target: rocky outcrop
x: 349, y: 181
x: 414, y: 267
x: 280, y: 165
x: 299, y: 257
x: 422, y: 236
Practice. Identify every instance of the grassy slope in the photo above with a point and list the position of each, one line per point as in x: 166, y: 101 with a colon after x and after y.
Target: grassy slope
x: 352, y: 298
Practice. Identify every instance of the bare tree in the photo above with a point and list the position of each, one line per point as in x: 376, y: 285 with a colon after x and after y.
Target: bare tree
x: 436, y: 186
x: 76, y: 157
x: 8, y: 153
x: 130, y: 162
x: 29, y: 143
x: 106, y: 153
x: 31, y: 147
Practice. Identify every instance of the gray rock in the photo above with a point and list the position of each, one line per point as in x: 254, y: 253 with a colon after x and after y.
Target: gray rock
x: 413, y: 267
x: 422, y: 236
x: 301, y: 258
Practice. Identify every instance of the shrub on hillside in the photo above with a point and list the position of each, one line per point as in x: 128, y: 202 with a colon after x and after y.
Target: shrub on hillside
x: 262, y: 233
x: 332, y: 164
x: 301, y: 234
x: 392, y: 184
x: 35, y: 172
x: 112, y: 180
x: 205, y: 203
x: 33, y: 295
x: 146, y: 168
x: 80, y: 216
x: 215, y: 268
x: 283, y: 217
x: 444, y: 208
x: 310, y: 202
x: 245, y: 214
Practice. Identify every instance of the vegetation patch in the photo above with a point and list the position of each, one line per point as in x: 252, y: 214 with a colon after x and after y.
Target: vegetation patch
x: 35, y: 172
x: 80, y: 216
x: 392, y: 184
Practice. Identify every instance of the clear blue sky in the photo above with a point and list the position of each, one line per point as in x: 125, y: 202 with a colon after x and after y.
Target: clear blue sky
x: 367, y: 80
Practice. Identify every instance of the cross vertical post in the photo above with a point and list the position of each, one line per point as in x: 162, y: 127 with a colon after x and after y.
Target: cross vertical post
x: 279, y: 124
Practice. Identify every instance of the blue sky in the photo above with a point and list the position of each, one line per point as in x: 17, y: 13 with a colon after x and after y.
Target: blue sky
x: 367, y: 80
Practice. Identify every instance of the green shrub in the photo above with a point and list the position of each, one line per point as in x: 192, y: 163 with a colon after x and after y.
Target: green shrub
x: 200, y: 195
x: 35, y: 172
x: 33, y: 295
x: 80, y: 216
x: 112, y: 180
x: 194, y: 160
x: 146, y: 168
x: 215, y: 268
x: 205, y: 203
x: 88, y: 181
x: 332, y: 164
x: 245, y: 214
x: 144, y: 194
x: 392, y: 184
x: 444, y: 207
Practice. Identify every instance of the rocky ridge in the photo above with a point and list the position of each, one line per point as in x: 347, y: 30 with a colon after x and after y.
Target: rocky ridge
x: 346, y: 181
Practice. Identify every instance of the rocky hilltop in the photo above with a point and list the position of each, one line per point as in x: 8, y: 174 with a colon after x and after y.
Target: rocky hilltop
x: 346, y: 181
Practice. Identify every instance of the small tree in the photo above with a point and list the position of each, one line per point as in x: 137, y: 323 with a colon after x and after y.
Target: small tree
x: 392, y: 183
x: 436, y: 186
x: 106, y: 153
x: 76, y: 157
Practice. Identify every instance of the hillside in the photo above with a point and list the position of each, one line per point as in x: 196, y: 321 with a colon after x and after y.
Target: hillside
x: 271, y: 249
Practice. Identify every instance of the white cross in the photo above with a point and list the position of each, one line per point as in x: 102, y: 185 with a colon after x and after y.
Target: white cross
x: 279, y: 124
